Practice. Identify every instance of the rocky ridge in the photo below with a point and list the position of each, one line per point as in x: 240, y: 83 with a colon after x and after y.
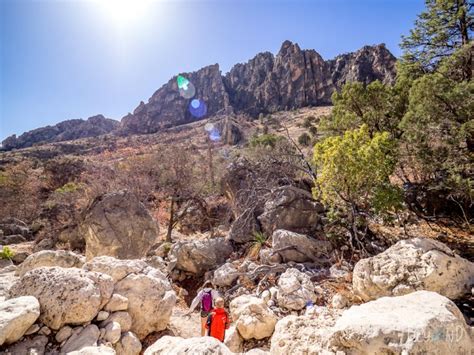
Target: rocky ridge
x: 64, y: 131
x: 293, y: 78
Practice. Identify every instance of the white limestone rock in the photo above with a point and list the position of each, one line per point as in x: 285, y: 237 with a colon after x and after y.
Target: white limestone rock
x: 411, y: 265
x: 17, y: 315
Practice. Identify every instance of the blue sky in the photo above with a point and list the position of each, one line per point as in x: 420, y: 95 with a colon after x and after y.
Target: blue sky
x: 74, y: 59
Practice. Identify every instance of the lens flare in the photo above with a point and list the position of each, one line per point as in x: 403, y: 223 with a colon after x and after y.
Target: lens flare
x: 195, y: 103
x: 197, y: 108
x: 182, y: 82
x: 215, y: 135
x: 188, y: 92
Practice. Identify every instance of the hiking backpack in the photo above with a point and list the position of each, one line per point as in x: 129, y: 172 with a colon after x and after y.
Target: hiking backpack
x: 206, y: 302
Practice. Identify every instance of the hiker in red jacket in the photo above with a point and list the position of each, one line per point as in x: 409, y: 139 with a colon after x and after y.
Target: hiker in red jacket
x: 218, y: 321
x: 206, y: 298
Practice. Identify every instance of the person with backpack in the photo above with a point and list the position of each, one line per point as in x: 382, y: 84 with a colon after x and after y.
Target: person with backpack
x: 218, y: 321
x: 205, y: 297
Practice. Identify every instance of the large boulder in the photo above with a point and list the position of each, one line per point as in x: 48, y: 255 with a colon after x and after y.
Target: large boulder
x: 292, y: 209
x: 67, y: 296
x: 295, y: 289
x: 119, y: 225
x: 253, y: 319
x: 151, y: 301
x: 60, y: 258
x: 244, y: 227
x: 422, y: 322
x: 298, y: 247
x: 225, y: 275
x: 147, y: 291
x: 303, y: 334
x: 16, y: 316
x: 169, y: 345
x: 411, y: 265
x: 115, y: 268
x: 199, y: 256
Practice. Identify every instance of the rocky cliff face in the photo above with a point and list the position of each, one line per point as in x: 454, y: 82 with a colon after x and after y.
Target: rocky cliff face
x: 293, y: 78
x: 368, y: 64
x: 167, y: 108
x: 63, y: 131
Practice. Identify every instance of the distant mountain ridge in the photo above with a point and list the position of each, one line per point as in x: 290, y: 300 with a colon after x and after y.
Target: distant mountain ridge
x: 267, y: 83
x: 63, y: 131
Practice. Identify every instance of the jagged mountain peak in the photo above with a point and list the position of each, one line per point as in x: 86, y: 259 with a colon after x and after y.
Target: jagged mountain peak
x: 267, y: 83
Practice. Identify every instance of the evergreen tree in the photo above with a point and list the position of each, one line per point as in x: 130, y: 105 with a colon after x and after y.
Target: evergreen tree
x: 444, y: 27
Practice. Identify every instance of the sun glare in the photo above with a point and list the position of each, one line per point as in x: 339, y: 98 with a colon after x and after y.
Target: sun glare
x: 123, y: 12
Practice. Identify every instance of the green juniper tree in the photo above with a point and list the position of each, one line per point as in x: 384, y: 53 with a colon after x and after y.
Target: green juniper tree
x: 444, y: 27
x: 353, y: 175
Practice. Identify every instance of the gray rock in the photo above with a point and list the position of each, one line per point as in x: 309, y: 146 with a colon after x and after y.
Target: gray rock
x: 129, y: 345
x: 93, y: 350
x: 118, y: 225
x: 44, y: 244
x: 81, y: 338
x: 225, y: 275
x: 102, y: 315
x: 151, y: 301
x: 122, y: 318
x: 33, y: 329
x: 29, y: 346
x: 45, y: 331
x: 295, y: 289
x: 421, y: 322
x: 12, y: 226
x: 112, y: 332
x: 7, y: 280
x: 20, y: 257
x: 298, y: 247
x: 368, y: 64
x: 292, y: 209
x: 63, y: 334
x: 293, y: 78
x: 12, y: 239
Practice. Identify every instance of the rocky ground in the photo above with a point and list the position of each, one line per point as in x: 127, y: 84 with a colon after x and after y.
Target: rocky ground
x: 112, y: 285
x: 398, y: 301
